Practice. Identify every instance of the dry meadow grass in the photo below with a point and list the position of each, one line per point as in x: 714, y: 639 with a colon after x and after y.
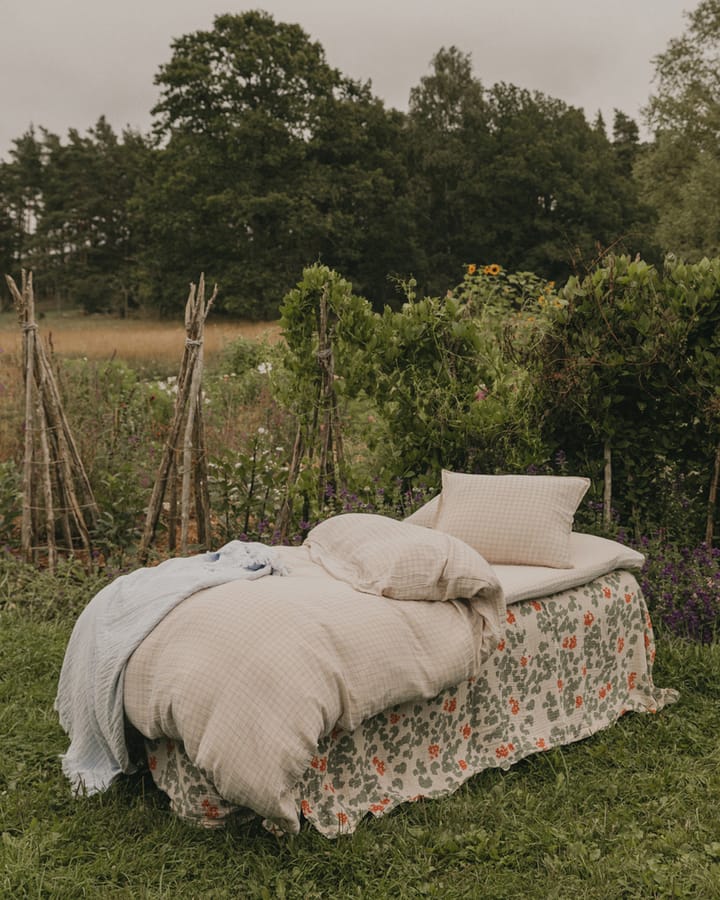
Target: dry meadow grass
x: 154, y: 347
x: 134, y: 341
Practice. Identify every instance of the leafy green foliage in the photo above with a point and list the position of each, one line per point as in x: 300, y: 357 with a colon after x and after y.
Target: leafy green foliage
x: 613, y: 371
x: 10, y: 500
x: 443, y: 388
x: 428, y: 383
x: 246, y: 488
x: 350, y: 328
x: 681, y: 168
x: 505, y: 372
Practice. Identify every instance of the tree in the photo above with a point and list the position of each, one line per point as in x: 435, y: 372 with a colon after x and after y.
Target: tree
x: 238, y: 105
x: 558, y: 194
x: 509, y: 176
x: 247, y: 71
x: 626, y: 385
x: 87, y: 227
x: 448, y: 148
x: 68, y: 213
x: 21, y: 196
x: 625, y: 141
x: 694, y: 292
x: 358, y: 178
x: 681, y: 168
x: 269, y: 159
x: 7, y: 236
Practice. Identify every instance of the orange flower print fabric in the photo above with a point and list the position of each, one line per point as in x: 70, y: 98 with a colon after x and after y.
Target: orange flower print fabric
x: 567, y: 666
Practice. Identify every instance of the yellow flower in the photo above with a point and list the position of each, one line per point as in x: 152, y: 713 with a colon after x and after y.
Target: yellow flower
x: 471, y: 269
x: 493, y: 269
x: 541, y: 299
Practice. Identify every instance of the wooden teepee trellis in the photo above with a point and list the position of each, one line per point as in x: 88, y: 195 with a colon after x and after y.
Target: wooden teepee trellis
x: 184, y: 461
x: 58, y: 501
x: 324, y: 430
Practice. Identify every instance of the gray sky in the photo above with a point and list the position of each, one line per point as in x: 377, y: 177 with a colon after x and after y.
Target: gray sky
x: 64, y: 64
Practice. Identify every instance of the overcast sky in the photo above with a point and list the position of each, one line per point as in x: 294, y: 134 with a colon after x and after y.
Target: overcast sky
x: 64, y: 63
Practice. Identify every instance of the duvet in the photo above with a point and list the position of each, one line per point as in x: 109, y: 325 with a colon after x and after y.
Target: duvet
x: 251, y: 675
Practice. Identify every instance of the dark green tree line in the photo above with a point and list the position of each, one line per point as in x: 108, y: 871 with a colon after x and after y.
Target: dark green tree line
x: 679, y: 171
x: 67, y: 213
x: 264, y: 159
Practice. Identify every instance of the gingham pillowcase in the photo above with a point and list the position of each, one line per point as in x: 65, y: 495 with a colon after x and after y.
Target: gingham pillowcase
x: 512, y: 519
x: 383, y: 556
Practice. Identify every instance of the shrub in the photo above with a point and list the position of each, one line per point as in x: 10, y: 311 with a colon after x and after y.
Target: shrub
x: 10, y: 500
x: 246, y: 488
x: 682, y: 588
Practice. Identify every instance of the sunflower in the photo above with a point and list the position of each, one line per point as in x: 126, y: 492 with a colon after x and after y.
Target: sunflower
x: 471, y: 269
x: 493, y: 269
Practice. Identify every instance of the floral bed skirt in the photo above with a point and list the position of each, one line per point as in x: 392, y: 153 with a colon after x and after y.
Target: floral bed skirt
x: 568, y: 666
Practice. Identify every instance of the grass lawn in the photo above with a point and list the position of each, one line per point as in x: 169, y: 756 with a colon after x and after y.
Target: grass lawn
x: 631, y: 812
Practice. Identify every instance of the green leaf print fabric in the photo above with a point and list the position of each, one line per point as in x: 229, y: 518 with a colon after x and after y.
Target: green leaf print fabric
x: 568, y: 666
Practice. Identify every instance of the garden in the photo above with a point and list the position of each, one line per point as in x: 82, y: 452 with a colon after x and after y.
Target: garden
x: 614, y: 375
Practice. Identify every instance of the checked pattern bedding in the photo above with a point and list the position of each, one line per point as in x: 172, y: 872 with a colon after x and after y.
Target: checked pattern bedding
x: 568, y: 666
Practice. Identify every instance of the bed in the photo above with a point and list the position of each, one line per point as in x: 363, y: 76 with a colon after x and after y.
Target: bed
x: 388, y: 661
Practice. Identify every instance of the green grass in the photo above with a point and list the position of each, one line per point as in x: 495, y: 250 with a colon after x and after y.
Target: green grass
x: 631, y: 812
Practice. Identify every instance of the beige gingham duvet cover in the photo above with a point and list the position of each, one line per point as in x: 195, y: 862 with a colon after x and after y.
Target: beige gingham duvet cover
x: 250, y: 676
x: 568, y: 666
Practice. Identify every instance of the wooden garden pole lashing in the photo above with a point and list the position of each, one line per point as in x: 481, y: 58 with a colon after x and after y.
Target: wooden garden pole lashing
x: 324, y: 429
x: 187, y: 419
x: 64, y: 486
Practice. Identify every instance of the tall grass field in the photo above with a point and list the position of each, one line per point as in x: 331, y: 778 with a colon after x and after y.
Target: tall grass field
x: 148, y: 342
x: 632, y: 812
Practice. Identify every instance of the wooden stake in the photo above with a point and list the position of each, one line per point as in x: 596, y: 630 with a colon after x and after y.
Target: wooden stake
x: 712, y: 499
x: 61, y: 466
x: 325, y: 428
x: 185, y: 414
x: 47, y: 490
x: 607, y: 490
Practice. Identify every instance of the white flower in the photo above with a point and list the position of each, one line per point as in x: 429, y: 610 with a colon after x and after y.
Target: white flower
x: 264, y: 368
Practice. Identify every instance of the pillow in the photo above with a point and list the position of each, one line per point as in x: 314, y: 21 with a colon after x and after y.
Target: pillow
x: 591, y: 557
x: 383, y: 556
x: 512, y: 519
x: 425, y: 514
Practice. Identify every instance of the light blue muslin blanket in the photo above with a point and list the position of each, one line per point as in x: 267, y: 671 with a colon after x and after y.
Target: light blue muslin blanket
x: 89, y: 699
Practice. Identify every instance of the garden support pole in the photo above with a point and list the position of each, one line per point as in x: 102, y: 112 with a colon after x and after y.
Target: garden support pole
x: 185, y: 421
x: 607, y: 488
x: 64, y: 486
x: 712, y: 499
